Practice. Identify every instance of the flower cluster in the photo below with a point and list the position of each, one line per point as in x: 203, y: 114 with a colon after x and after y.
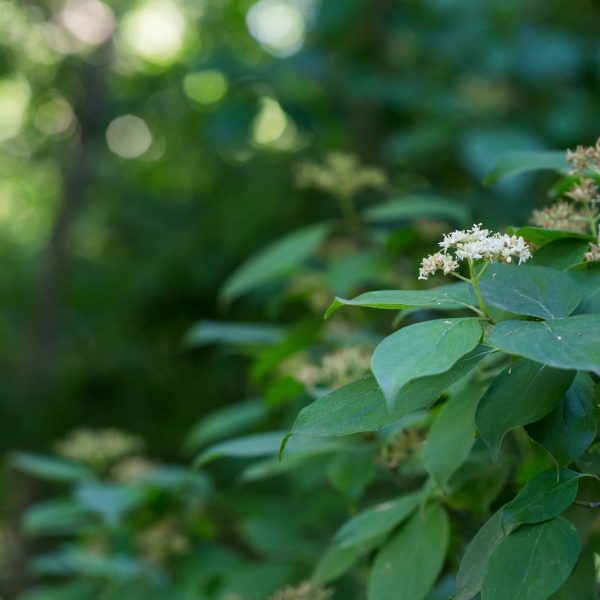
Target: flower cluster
x: 305, y: 591
x: 593, y: 255
x: 336, y: 369
x: 584, y: 192
x: 584, y: 158
x: 341, y: 175
x: 474, y: 244
x: 161, y: 540
x: 98, y: 448
x: 561, y: 215
x: 400, y: 448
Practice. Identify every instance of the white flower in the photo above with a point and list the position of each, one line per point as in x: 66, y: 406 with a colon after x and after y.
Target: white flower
x: 474, y: 244
x: 457, y: 238
x: 444, y: 262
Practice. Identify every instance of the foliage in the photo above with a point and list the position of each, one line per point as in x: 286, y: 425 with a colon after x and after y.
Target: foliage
x: 265, y: 458
x: 484, y: 419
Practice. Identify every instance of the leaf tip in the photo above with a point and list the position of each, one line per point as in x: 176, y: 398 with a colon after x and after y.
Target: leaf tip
x: 284, y: 443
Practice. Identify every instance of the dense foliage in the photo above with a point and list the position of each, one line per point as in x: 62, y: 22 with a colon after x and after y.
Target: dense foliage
x: 445, y: 448
x: 488, y: 419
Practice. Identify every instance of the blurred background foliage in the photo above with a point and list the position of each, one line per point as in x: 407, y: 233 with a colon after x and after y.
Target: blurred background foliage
x: 148, y: 148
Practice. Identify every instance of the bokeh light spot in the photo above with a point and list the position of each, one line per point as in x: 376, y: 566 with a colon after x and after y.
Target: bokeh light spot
x: 278, y: 25
x: 14, y: 101
x: 205, y: 87
x: 155, y: 31
x: 273, y: 128
x: 90, y: 21
x: 54, y: 116
x: 128, y: 136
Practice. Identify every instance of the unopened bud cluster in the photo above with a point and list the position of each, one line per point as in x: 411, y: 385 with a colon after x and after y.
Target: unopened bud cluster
x: 593, y: 255
x: 98, y: 448
x: 335, y: 370
x: 561, y: 215
x: 583, y: 216
x: 340, y: 175
x: 474, y: 244
x: 584, y: 158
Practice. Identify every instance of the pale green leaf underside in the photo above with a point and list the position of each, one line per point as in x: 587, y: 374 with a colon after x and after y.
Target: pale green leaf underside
x: 447, y: 297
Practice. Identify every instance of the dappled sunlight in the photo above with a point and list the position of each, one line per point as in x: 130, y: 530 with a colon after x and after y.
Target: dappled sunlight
x: 278, y: 25
x: 90, y: 21
x: 15, y: 94
x: 154, y: 31
x: 128, y: 136
x: 205, y: 87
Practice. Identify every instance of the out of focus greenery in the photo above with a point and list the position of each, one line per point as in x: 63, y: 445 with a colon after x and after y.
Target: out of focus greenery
x: 148, y: 149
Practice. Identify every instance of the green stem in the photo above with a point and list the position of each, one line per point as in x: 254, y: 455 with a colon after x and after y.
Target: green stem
x: 349, y: 211
x: 475, y: 283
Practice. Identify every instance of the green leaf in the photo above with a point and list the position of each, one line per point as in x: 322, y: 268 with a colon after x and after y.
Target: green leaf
x: 533, y: 562
x: 205, y: 333
x: 275, y: 261
x: 547, y: 495
x: 530, y: 290
x: 266, y: 444
x: 561, y: 254
x: 109, y: 500
x: 452, y: 434
x: 541, y: 236
x: 569, y: 343
x: 352, y: 472
x: 360, y: 405
x: 422, y: 349
x: 589, y: 283
x: 516, y: 163
x: 50, y: 468
x: 377, y: 521
x: 226, y: 421
x: 446, y: 297
x: 472, y: 567
x: 335, y: 562
x: 581, y: 584
x: 567, y: 432
x: 523, y: 393
x: 57, y: 517
x: 415, y: 207
x: 297, y: 456
x: 409, y: 563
